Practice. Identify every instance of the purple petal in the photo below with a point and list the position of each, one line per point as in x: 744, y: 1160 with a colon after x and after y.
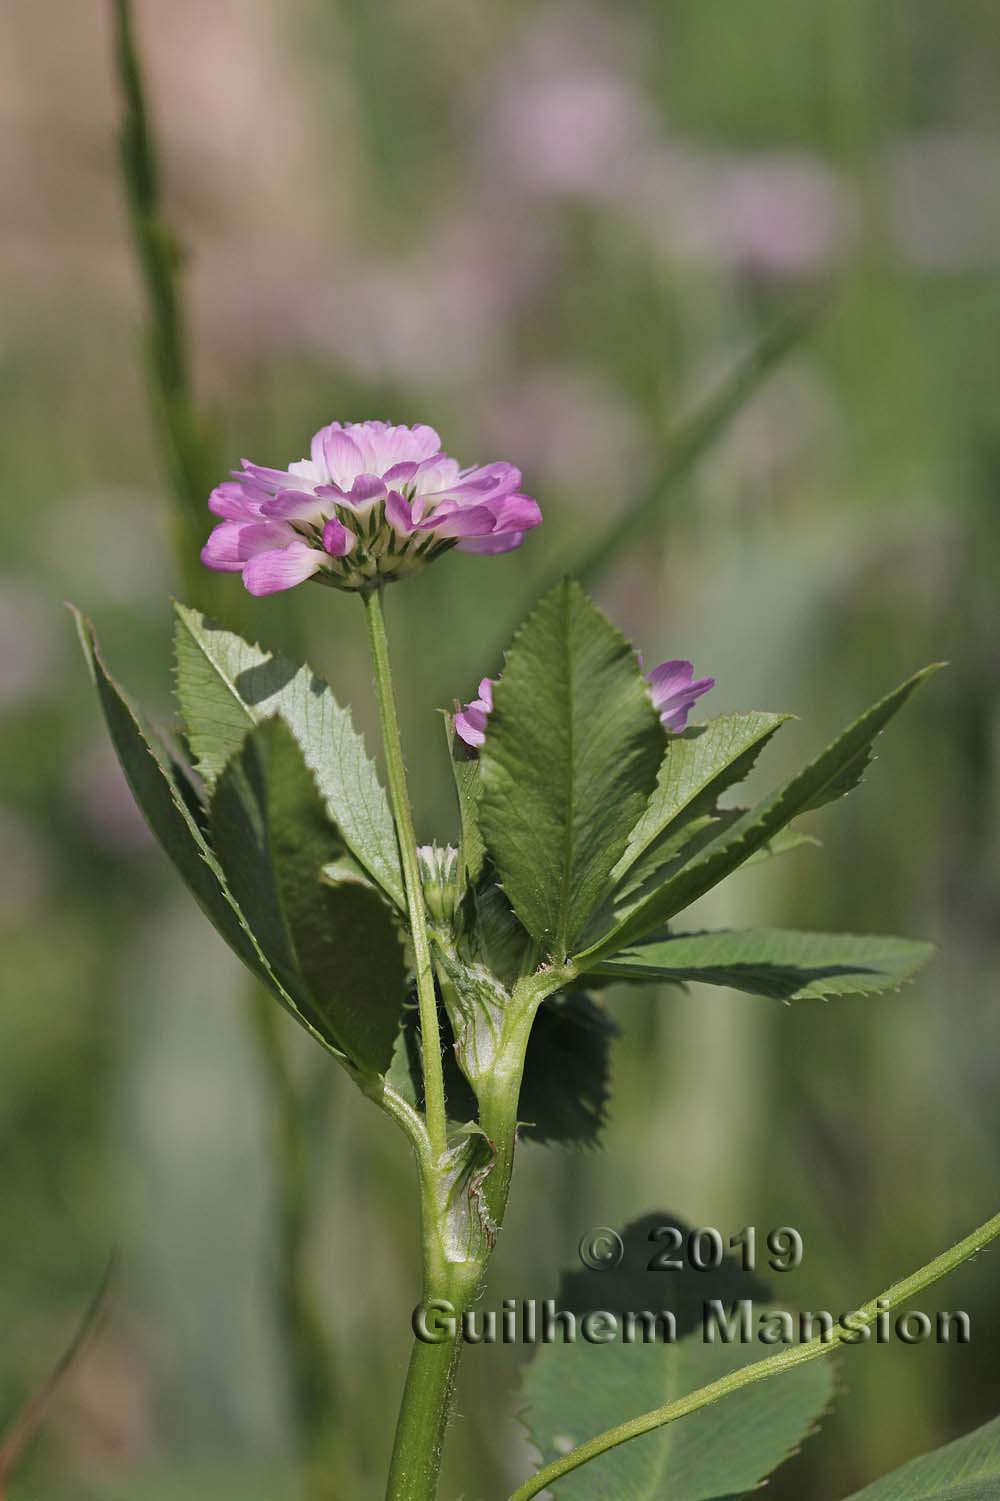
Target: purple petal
x: 283, y: 568
x: 342, y: 456
x: 366, y: 489
x: 401, y: 474
x: 460, y: 521
x: 232, y: 500
x: 397, y: 512
x: 337, y: 540
x: 273, y: 479
x: 497, y: 542
x: 233, y: 543
x: 293, y: 505
x: 518, y: 513
x: 488, y: 479
x: 669, y: 678
x: 675, y: 690
x: 470, y: 726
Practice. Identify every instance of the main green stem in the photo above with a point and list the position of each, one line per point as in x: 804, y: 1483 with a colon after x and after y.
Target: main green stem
x: 416, y: 1459
x: 761, y: 1370
x: 430, y: 1038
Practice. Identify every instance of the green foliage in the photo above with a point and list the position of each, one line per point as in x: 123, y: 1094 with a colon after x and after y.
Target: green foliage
x: 766, y: 961
x: 225, y: 686
x: 577, y: 1391
x: 571, y: 756
x: 836, y: 771
x: 154, y: 785
x: 966, y: 1470
x: 465, y: 769
x: 699, y: 765
x: 329, y: 954
x: 567, y: 1072
x: 334, y: 948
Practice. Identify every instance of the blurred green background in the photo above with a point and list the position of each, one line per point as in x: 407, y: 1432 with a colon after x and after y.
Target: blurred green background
x: 550, y: 230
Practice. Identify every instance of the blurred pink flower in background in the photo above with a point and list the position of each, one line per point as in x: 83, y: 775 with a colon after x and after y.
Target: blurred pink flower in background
x: 573, y: 430
x: 781, y: 214
x: 563, y: 113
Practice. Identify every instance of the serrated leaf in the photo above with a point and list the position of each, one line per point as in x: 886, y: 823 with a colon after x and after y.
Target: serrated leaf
x: 822, y: 778
x: 225, y: 686
x: 786, y: 965
x: 575, y: 1391
x: 567, y: 1072
x: 578, y: 1391
x: 966, y: 1470
x: 572, y: 751
x: 334, y: 949
x: 149, y: 771
x: 698, y: 767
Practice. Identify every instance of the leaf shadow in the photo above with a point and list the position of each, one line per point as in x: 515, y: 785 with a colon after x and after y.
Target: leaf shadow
x: 637, y: 1284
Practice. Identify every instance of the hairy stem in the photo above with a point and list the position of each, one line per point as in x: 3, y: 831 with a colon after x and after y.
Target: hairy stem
x: 430, y: 1040
x: 786, y: 1360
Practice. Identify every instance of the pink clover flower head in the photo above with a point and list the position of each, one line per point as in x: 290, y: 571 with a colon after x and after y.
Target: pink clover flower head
x: 675, y: 690
x: 372, y: 503
x: 470, y: 722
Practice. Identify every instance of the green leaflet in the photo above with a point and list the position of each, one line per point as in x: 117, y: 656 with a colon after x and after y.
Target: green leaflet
x: 567, y: 1072
x: 334, y: 948
x: 571, y: 756
x: 786, y: 965
x: 699, y: 765
x: 465, y: 769
x: 163, y: 801
x: 574, y: 1392
x: 225, y: 686
x: 966, y: 1470
x: 834, y: 772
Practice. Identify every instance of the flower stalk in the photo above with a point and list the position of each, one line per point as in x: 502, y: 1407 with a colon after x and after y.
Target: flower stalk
x: 400, y: 799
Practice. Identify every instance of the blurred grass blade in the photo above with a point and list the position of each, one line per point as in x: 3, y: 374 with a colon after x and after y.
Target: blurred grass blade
x: 183, y: 431
x: 26, y: 1423
x: 693, y: 438
x: 188, y: 445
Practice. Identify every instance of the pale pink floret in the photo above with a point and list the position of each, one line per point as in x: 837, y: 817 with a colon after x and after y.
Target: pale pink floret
x: 675, y: 690
x: 672, y: 686
x: 470, y: 722
x: 372, y: 502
